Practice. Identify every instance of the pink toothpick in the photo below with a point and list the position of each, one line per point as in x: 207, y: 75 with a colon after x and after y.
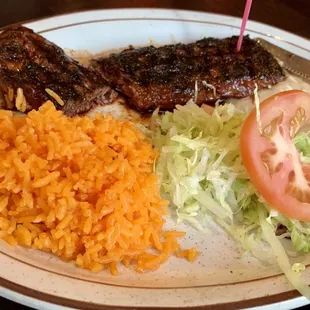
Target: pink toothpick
x: 245, y: 18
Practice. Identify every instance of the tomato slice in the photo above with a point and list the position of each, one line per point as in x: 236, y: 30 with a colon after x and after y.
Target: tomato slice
x: 271, y: 158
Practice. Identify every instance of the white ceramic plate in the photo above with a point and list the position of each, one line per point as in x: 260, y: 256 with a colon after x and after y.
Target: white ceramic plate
x: 220, y: 278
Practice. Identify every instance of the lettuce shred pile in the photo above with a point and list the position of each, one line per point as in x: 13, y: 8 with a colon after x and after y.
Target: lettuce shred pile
x: 202, y: 175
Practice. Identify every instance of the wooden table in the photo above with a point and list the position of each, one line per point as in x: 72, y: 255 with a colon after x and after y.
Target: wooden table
x: 290, y: 15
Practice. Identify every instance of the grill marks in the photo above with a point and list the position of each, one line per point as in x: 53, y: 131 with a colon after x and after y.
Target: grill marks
x: 32, y: 63
x: 162, y: 77
x: 149, y: 77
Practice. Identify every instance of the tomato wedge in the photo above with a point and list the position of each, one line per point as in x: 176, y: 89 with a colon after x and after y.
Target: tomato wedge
x: 271, y: 158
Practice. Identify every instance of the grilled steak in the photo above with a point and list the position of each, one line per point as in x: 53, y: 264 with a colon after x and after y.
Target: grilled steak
x: 162, y: 77
x: 34, y: 70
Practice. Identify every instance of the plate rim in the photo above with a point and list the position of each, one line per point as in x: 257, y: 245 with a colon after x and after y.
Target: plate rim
x: 66, y: 302
x: 75, y: 12
x: 71, y: 303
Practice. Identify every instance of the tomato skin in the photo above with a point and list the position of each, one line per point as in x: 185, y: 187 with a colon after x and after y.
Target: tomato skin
x: 273, y: 184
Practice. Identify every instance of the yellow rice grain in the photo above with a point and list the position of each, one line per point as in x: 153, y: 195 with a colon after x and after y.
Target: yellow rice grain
x: 126, y: 262
x: 55, y: 96
x: 23, y: 235
x: 20, y: 101
x: 10, y: 240
x: 113, y: 268
x: 96, y: 267
x: 83, y: 190
x: 190, y: 254
x: 3, y: 202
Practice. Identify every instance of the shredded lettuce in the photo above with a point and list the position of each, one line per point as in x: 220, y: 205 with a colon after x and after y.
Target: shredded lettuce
x: 208, y: 85
x: 257, y: 109
x: 202, y: 175
x: 298, y: 268
x: 292, y: 273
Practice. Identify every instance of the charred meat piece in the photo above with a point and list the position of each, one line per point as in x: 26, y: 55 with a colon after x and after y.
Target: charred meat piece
x: 163, y: 77
x: 34, y: 70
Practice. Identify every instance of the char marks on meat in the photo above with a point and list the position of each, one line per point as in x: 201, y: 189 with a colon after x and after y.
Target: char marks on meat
x: 162, y: 77
x: 33, y: 64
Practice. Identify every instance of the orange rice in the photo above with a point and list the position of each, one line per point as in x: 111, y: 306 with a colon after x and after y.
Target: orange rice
x: 83, y: 190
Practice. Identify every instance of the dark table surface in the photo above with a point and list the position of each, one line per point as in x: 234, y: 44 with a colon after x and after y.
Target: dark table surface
x: 290, y: 15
